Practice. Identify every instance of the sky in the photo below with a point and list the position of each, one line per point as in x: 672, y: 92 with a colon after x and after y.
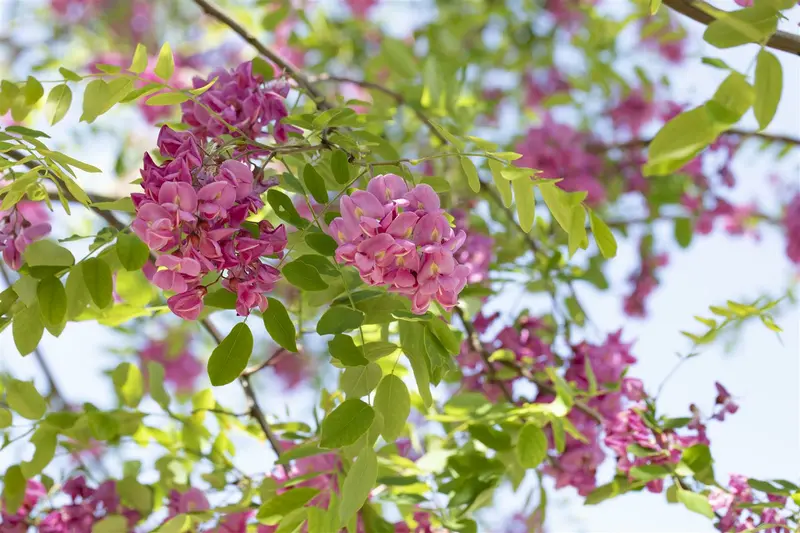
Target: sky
x: 762, y: 440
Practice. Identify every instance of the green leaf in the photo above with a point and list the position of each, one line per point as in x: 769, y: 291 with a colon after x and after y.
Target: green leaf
x: 134, y: 494
x: 139, y: 62
x: 378, y: 350
x: 603, y: 236
x: 95, y: 100
x: 471, y: 171
x: 230, y: 358
x: 78, y: 296
x: 315, y: 184
x: 399, y: 57
x: 558, y: 202
x: 695, y: 502
x: 47, y: 253
x: 346, y: 352
x: 321, y: 243
x: 155, y: 384
x: 25, y: 400
x: 279, y: 325
x: 731, y: 100
x: 117, y: 523
x: 263, y: 68
x: 123, y: 204
x: 358, y: 381
x: 13, y: 488
x: 27, y: 329
x: 304, y: 276
x: 394, y: 404
x: 98, y: 280
x: 526, y: 202
x: 273, y: 18
x: 649, y: 472
x: 445, y: 335
x: 167, y: 98
x: 33, y: 91
x: 412, y: 341
x: 6, y: 418
x: 679, y: 141
x: 165, y: 65
x: 131, y: 251
x: 52, y: 301
x: 502, y: 184
x: 683, y: 232
x: 58, y: 102
x: 768, y: 86
x: 45, y: 440
x: 531, y: 446
x: 340, y: 167
x: 358, y: 484
x: 752, y: 25
x: 654, y: 5
x: 271, y: 512
x: 338, y: 319
x: 69, y: 75
x: 128, y: 383
x: 345, y: 424
x: 66, y: 160
x: 284, y: 208
x: 577, y: 229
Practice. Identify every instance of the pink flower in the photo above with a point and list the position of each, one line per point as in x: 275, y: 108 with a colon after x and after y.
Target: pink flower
x: 187, y: 502
x: 724, y: 402
x: 791, y: 222
x: 633, y: 112
x: 21, y: 225
x: 176, y: 270
x: 181, y: 367
x: 188, y: 305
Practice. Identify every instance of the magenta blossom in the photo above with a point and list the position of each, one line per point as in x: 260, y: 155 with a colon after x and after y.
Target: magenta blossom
x: 19, y: 227
x: 181, y: 366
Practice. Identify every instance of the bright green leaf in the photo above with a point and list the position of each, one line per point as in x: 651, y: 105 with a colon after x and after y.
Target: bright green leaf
x: 471, y: 171
x: 98, y: 280
x: 679, y: 141
x: 27, y: 329
x: 768, y: 87
x: 359, y: 381
x: 752, y: 25
x: 139, y: 62
x: 358, y: 484
x: 271, y: 512
x: 230, y: 358
x: 345, y: 424
x: 165, y: 65
x: 502, y: 184
x: 695, y: 502
x: 338, y: 319
x: 321, y: 243
x: 346, y: 352
x: 531, y: 446
x: 603, y: 236
x: 52, y: 301
x: 131, y: 251
x: 340, y: 167
x: 315, y: 184
x: 13, y: 488
x: 128, y: 383
x: 279, y: 325
x: 58, y: 102
x: 304, y: 276
x: 25, y: 400
x: 525, y: 201
x: 412, y: 341
x: 167, y: 99
x: 47, y: 253
x: 394, y: 404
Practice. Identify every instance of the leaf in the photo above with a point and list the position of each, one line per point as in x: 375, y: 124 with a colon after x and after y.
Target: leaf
x: 177, y: 524
x: 394, y: 404
x: 321, y: 243
x: 346, y: 352
x: 400, y: 58
x: 131, y: 251
x: 95, y: 100
x: 13, y: 489
x: 285, y: 209
x: 412, y: 341
x: 66, y: 160
x: 359, y: 381
x: 683, y: 232
x: 557, y: 201
x: 123, y: 204
x: 97, y: 277
x: 768, y: 87
x: 52, y: 301
x: 27, y: 329
x: 502, y: 184
x: 442, y: 331
x: 6, y: 418
x: 603, y: 236
x: 649, y: 472
x: 733, y: 98
x: 24, y: 399
x: 304, y: 276
x: 473, y: 180
x: 58, y: 102
x: 69, y: 75
x: 577, y: 230
x: 271, y: 512
x: 378, y: 350
x: 654, y: 5
x: 167, y: 98
x: 33, y: 90
x: 279, y: 325
x: 273, y: 18
x: 47, y: 253
x: 340, y: 167
x: 128, y: 383
x: 45, y: 440
x: 679, y: 141
x: 114, y: 524
x: 139, y: 62
x: 531, y: 446
x: 230, y: 358
x: 134, y: 494
x: 338, y: 319
x: 345, y: 424
x: 315, y: 184
x: 155, y: 384
x: 526, y: 202
x: 752, y: 25
x: 358, y: 484
x: 165, y: 65
x: 695, y: 502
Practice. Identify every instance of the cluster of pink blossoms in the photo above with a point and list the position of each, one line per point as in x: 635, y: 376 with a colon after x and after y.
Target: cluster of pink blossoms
x: 88, y: 505
x: 560, y: 151
x: 791, y: 222
x: 239, y: 99
x: 19, y: 226
x: 736, y: 518
x: 644, y: 280
x: 134, y: 17
x: 181, y: 367
x: 193, y: 207
x: 477, y: 251
x: 401, y: 238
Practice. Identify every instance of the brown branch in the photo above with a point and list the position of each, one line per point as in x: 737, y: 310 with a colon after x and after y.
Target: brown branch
x: 704, y: 13
x: 216, y: 13
x: 270, y: 361
x: 597, y: 148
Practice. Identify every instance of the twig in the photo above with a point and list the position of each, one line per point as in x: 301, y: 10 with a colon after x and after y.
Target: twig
x: 597, y: 148
x: 272, y: 360
x: 705, y: 13
x: 215, y: 12
x: 477, y: 345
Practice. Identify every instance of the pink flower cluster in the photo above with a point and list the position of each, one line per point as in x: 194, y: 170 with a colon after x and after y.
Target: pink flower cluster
x: 633, y: 112
x: 644, y: 281
x: 568, y: 13
x: 19, y: 226
x: 734, y: 517
x: 791, y: 222
x: 239, y: 103
x: 191, y: 214
x: 539, y: 85
x: 87, y: 506
x: 477, y: 251
x: 135, y: 18
x: 560, y: 151
x: 401, y: 238
x: 181, y: 367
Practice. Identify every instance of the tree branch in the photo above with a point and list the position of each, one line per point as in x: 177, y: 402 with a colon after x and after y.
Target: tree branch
x: 705, y: 13
x: 597, y: 148
x: 216, y: 13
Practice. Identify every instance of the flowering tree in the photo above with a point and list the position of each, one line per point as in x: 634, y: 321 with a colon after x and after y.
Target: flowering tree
x: 344, y: 206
